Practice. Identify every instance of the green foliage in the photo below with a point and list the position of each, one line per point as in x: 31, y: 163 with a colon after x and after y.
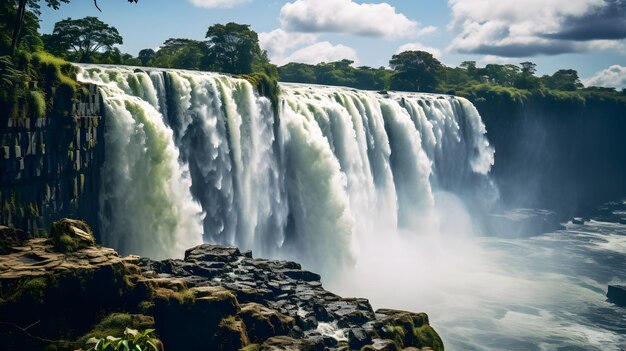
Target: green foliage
x: 336, y: 73
x: 415, y: 71
x: 81, y: 38
x: 181, y: 53
x: 265, y: 85
x: 37, y: 104
x: 133, y: 340
x: 234, y: 48
x: 146, y: 56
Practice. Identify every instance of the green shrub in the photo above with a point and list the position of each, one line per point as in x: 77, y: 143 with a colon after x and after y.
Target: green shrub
x: 132, y: 340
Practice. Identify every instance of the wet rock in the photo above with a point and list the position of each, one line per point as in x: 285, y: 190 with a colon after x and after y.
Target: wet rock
x: 578, y: 220
x: 617, y: 294
x: 231, y: 334
x: 208, y: 253
x: 216, y: 299
x: 622, y: 221
x: 358, y: 337
x: 264, y: 323
x: 301, y: 275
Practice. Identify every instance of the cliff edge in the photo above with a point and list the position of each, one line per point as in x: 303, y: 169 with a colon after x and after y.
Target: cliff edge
x: 57, y: 292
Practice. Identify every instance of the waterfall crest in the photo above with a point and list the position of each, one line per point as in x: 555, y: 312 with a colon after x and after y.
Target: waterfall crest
x: 193, y: 156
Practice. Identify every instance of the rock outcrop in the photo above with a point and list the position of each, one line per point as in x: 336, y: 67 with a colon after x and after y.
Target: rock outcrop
x: 617, y: 294
x: 217, y: 298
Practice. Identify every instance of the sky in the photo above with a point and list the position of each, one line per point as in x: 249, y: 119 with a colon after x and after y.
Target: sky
x: 586, y: 35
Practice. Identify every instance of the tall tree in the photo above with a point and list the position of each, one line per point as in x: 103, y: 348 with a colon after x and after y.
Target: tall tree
x: 563, y: 79
x: 145, y: 56
x: 234, y: 48
x: 22, y: 6
x: 84, y: 37
x: 415, y: 71
x: 527, y: 79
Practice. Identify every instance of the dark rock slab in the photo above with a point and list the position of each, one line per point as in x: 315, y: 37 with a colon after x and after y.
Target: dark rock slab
x: 617, y: 294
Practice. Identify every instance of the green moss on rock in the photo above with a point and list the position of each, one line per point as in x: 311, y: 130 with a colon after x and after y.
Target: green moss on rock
x: 69, y: 235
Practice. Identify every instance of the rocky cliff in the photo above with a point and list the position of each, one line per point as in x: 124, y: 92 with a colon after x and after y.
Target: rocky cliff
x: 564, y: 154
x: 50, y: 166
x: 57, y: 292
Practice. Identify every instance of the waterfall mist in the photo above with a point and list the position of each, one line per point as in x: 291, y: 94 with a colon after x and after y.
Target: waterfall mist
x: 381, y: 193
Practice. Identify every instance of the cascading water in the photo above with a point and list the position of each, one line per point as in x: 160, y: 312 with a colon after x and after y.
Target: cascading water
x: 376, y: 191
x: 333, y: 165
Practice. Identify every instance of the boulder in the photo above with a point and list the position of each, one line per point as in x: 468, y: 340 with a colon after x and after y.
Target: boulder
x: 212, y: 253
x: 264, y: 323
x: 231, y: 334
x: 68, y: 235
x: 617, y: 294
x: 358, y: 337
x: 578, y: 220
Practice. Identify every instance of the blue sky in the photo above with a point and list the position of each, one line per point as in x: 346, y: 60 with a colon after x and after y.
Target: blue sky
x: 586, y: 35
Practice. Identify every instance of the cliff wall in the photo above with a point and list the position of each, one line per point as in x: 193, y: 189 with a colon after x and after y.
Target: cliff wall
x: 567, y: 155
x: 50, y: 167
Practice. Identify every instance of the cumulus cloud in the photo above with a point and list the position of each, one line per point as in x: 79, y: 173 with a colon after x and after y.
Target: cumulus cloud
x: 348, y: 17
x: 218, y: 3
x: 536, y: 27
x: 420, y: 47
x: 612, y: 77
x: 278, y: 42
x: 322, y: 52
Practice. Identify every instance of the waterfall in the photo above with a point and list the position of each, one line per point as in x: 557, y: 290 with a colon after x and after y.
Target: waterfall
x: 198, y: 156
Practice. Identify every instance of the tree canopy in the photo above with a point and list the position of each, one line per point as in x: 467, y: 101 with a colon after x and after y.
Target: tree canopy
x: 234, y: 48
x: 415, y: 71
x: 82, y: 37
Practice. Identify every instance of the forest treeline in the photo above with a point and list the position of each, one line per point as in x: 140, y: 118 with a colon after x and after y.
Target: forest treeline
x: 26, y: 55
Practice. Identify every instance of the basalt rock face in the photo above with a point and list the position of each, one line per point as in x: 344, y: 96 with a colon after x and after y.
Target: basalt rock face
x: 275, y: 305
x: 217, y: 298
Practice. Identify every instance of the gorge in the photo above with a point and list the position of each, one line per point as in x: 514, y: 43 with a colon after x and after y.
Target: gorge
x: 387, y: 195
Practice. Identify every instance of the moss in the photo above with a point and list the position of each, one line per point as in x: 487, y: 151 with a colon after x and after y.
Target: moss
x: 37, y: 104
x: 35, y: 288
x: 427, y: 336
x: 232, y: 334
x: 265, y: 86
x: 253, y: 347
x: 66, y: 235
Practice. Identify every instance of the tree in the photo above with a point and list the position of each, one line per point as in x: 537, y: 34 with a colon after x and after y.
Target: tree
x: 527, y: 79
x: 234, y: 48
x: 181, y: 53
x: 563, y: 79
x: 84, y: 37
x: 145, y: 56
x: 22, y: 6
x: 415, y: 71
x: 505, y: 75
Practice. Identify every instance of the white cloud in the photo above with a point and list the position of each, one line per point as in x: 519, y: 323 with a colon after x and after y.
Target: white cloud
x: 348, y: 17
x: 612, y: 77
x: 278, y: 42
x: 218, y: 3
x: 420, y: 47
x: 323, y: 52
x: 534, y: 27
x: 491, y: 59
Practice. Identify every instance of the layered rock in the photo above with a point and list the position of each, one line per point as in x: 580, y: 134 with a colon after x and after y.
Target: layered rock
x: 217, y: 298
